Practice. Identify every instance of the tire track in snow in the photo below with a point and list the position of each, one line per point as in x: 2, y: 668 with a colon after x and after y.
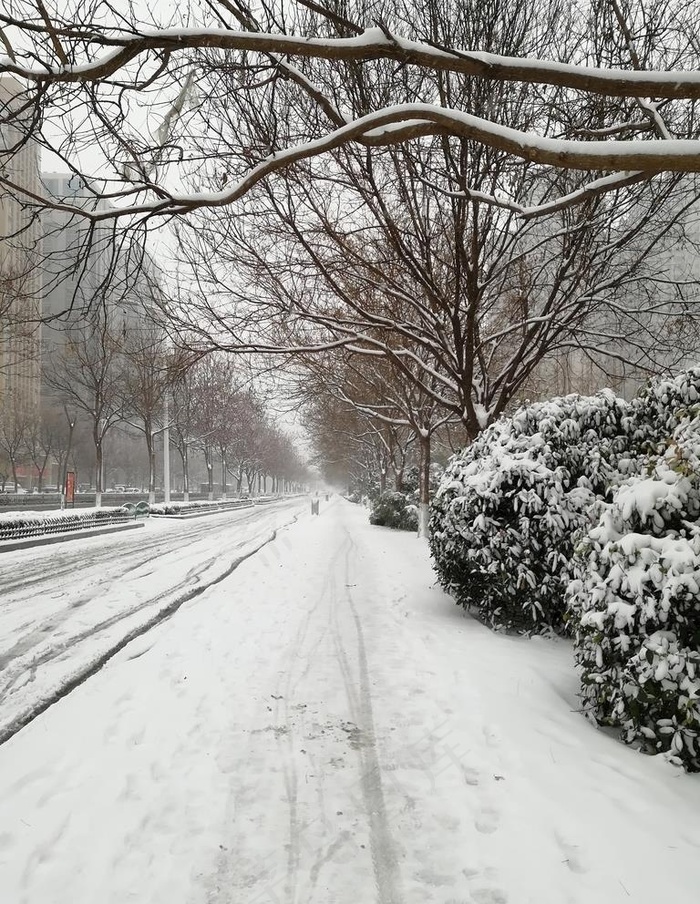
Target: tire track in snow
x: 113, y: 563
x: 384, y: 859
x: 39, y: 633
x: 140, y: 551
x: 114, y: 568
x: 294, y: 886
x: 82, y: 675
x: 287, y: 740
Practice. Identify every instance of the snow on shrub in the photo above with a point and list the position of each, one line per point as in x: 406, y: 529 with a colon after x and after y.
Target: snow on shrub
x: 662, y: 700
x: 202, y: 506
x: 175, y: 508
x: 392, y: 509
x: 635, y: 603
x: 504, y: 516
x: 666, y: 403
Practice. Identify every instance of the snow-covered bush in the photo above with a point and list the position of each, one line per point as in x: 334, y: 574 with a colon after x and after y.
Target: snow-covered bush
x: 505, y: 514
x: 201, y: 507
x: 392, y: 509
x: 410, y: 484
x: 662, y: 700
x: 175, y: 508
x: 664, y: 404
x: 635, y: 603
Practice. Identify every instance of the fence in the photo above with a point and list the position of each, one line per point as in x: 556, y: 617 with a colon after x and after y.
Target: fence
x: 19, y: 527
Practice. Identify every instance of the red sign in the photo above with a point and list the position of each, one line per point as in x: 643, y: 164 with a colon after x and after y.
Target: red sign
x: 70, y: 487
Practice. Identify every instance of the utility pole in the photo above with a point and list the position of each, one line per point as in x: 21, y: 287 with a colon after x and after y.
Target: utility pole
x: 166, y: 449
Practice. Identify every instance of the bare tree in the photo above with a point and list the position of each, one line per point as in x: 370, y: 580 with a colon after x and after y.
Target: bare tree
x: 467, y: 299
x: 88, y: 376
x: 95, y: 75
x: 395, y: 413
x: 148, y: 368
x: 42, y: 439
x: 14, y: 425
x: 212, y: 390
x: 348, y: 451
x: 281, y: 461
x: 247, y: 418
x: 443, y: 136
x: 184, y: 420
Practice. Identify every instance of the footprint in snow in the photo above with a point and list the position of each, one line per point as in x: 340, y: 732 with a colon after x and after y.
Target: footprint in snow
x: 487, y: 821
x: 436, y: 880
x: 6, y: 841
x: 489, y: 896
x: 471, y: 776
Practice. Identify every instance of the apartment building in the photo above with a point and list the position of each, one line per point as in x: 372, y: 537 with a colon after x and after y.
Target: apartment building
x: 92, y: 273
x: 20, y: 260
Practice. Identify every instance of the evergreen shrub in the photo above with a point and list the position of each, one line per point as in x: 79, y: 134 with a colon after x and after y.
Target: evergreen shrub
x: 392, y: 509
x: 506, y: 512
x: 635, y: 598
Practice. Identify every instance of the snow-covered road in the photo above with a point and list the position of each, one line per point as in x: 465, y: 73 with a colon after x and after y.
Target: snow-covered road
x: 64, y: 608
x: 324, y: 726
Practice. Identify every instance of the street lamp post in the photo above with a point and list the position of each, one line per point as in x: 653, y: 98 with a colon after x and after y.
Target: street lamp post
x: 166, y: 449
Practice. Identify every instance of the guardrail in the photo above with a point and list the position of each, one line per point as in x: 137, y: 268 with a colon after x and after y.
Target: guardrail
x: 20, y: 527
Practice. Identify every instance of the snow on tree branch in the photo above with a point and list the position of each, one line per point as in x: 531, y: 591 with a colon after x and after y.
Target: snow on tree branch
x: 372, y: 44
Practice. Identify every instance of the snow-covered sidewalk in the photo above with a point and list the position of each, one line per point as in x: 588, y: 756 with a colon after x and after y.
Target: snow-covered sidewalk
x: 326, y: 726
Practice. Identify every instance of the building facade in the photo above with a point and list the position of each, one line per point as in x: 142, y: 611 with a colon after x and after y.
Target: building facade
x: 90, y: 274
x: 21, y: 255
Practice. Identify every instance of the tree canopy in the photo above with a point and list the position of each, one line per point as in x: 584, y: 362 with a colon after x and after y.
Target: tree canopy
x: 609, y: 87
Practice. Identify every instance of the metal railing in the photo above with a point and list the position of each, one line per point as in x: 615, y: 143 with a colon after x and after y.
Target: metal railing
x: 19, y: 528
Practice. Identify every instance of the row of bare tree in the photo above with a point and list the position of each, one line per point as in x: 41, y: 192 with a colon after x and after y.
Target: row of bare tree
x: 395, y: 196
x: 99, y: 380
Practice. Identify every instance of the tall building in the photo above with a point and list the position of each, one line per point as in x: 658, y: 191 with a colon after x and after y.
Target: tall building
x: 92, y: 273
x: 20, y: 261
x: 97, y: 286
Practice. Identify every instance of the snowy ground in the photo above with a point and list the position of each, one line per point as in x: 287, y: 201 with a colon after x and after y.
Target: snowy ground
x: 64, y: 608
x: 324, y: 726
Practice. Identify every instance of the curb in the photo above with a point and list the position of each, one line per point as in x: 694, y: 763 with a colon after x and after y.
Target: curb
x: 46, y: 539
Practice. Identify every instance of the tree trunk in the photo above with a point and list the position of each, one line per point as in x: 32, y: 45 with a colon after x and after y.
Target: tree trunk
x: 152, y: 477
x: 63, y: 467
x: 424, y: 487
x: 98, y: 474
x: 224, y: 477
x: 185, y: 475
x: 150, y: 445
